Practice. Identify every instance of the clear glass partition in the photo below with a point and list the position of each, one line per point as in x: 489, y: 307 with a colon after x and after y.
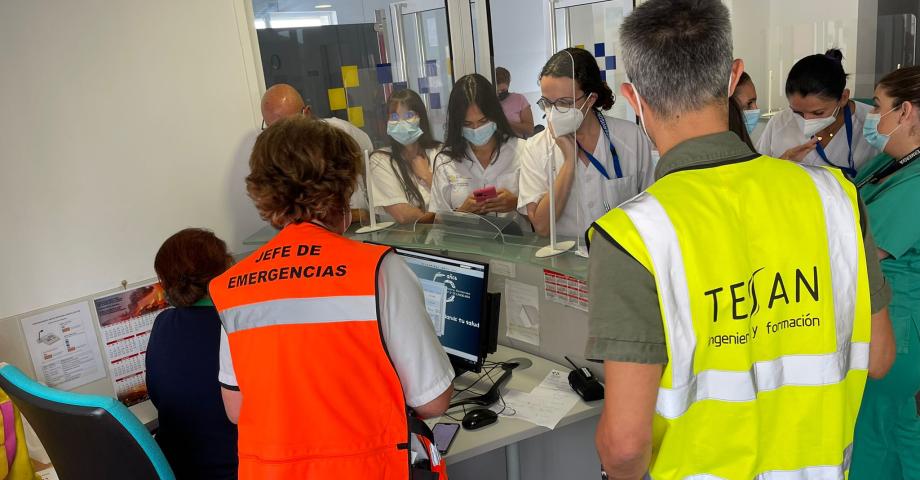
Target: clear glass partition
x: 515, y: 249
x: 595, y: 26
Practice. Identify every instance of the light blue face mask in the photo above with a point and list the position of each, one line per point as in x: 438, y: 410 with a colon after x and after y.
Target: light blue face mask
x: 480, y: 136
x: 871, y: 133
x: 751, y: 117
x: 404, y: 131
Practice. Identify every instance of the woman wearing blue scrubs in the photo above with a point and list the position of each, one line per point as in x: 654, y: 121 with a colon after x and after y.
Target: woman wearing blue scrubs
x: 887, y: 441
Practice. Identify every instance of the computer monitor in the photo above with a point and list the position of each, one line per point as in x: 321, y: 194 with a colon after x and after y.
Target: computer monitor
x: 456, y: 299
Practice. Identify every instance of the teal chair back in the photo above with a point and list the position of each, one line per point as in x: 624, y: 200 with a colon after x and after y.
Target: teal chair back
x: 86, y: 436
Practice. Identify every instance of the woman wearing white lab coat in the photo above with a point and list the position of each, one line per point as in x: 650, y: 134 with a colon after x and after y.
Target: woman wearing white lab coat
x: 600, y: 161
x: 822, y: 126
x: 401, y: 174
x: 481, y: 152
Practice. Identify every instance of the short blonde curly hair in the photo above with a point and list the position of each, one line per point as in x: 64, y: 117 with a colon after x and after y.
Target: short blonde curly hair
x: 302, y: 169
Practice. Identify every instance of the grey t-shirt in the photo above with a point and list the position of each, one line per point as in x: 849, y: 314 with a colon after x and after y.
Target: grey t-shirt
x: 624, y: 322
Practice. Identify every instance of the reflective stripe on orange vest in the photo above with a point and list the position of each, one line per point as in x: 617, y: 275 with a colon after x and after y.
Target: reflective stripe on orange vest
x: 321, y: 398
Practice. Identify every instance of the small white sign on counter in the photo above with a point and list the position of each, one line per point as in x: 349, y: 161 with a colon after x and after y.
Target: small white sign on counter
x: 63, y: 346
x: 503, y: 268
x: 522, y: 312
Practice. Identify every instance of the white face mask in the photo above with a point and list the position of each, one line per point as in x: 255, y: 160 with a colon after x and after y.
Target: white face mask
x: 814, y: 125
x: 568, y: 122
x: 641, y: 117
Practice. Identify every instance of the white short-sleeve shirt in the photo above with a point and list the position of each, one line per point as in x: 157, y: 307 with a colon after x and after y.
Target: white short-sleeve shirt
x: 784, y: 132
x: 359, y: 196
x: 454, y: 181
x: 388, y: 188
x: 420, y: 361
x: 592, y: 194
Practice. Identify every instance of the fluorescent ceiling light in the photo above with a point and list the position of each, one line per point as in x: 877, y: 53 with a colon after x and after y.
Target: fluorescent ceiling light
x: 325, y: 5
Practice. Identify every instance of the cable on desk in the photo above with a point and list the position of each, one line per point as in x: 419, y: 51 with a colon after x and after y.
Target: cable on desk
x: 491, y: 366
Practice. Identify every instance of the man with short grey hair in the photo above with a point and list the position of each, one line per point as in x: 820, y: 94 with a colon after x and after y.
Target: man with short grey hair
x: 737, y: 303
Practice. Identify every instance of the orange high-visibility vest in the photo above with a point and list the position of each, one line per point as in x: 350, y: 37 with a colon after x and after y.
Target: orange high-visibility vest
x: 321, y: 398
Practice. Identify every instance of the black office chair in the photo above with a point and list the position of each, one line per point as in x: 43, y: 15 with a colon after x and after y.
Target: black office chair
x: 86, y: 436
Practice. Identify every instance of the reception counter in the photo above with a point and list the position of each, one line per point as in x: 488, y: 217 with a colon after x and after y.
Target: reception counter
x: 560, y: 281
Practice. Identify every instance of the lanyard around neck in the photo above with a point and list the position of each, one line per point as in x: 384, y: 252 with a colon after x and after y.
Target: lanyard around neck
x: 613, y: 151
x: 890, y: 168
x: 849, y: 170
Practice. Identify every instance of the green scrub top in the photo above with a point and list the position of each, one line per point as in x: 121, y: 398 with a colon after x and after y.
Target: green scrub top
x: 893, y: 206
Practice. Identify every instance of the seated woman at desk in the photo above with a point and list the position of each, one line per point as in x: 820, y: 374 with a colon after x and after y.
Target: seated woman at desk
x: 401, y: 173
x: 183, y: 358
x: 605, y: 160
x: 477, y: 170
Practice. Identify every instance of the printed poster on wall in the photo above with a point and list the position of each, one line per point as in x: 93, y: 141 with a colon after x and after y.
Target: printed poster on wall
x: 63, y: 346
x: 125, y: 320
x: 565, y: 289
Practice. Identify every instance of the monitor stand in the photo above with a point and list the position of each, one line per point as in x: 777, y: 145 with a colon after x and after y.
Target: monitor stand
x: 491, y: 396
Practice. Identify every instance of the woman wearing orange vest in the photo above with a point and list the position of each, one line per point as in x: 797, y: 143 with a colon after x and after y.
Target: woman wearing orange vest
x: 328, y: 353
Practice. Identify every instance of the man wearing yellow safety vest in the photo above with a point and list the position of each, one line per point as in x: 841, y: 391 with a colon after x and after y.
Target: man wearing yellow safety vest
x: 732, y: 302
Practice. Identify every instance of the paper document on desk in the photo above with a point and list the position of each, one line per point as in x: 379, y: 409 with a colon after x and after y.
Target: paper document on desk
x: 522, y: 311
x: 545, y: 405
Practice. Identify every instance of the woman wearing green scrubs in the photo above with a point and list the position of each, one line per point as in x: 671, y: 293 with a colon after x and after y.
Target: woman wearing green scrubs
x: 887, y: 442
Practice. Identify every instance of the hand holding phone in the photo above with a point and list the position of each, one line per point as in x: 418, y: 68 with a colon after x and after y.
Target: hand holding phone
x: 444, y: 434
x: 485, y: 193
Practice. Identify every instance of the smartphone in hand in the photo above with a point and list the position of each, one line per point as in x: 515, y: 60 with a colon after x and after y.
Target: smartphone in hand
x: 485, y: 193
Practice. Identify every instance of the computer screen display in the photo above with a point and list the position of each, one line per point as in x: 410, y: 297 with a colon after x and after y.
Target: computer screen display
x: 455, y: 298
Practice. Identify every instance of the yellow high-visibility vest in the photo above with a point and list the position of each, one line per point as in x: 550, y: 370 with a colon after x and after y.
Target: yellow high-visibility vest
x: 764, y: 296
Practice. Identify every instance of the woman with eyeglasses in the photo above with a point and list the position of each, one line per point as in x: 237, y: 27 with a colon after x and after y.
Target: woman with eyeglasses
x: 477, y: 170
x: 401, y: 174
x: 600, y: 161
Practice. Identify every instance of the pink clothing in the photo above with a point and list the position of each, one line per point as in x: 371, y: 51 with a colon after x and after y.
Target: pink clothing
x: 513, y: 105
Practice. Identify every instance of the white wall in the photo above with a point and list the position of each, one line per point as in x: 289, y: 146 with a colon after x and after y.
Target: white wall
x: 122, y: 122
x: 519, y: 39
x: 771, y: 36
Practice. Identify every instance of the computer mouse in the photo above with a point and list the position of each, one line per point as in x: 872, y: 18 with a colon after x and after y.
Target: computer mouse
x: 478, y: 418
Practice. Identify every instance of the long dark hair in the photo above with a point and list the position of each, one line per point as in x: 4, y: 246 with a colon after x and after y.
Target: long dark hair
x: 472, y: 89
x: 737, y: 125
x: 400, y: 165
x: 818, y: 74
x: 587, y: 74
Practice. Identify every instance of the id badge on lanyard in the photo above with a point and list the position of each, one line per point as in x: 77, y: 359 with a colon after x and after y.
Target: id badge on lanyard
x: 850, y: 169
x: 617, y: 170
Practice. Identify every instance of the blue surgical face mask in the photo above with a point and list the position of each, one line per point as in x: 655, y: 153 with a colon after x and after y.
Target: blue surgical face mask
x: 480, y: 136
x: 404, y: 131
x: 871, y: 133
x: 751, y: 117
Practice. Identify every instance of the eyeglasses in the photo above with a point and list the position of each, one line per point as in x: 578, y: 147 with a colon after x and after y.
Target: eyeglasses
x: 561, y: 105
x: 410, y: 115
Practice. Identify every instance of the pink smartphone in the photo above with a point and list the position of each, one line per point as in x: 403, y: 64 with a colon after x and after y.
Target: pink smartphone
x: 484, y: 194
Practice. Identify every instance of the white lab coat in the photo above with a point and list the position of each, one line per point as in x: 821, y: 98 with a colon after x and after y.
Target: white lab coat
x: 783, y: 132
x: 592, y: 194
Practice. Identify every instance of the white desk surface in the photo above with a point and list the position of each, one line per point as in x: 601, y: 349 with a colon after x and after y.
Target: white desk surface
x: 505, y: 431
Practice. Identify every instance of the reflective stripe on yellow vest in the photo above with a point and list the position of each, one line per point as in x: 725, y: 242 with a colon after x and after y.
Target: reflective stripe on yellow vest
x: 764, y: 297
